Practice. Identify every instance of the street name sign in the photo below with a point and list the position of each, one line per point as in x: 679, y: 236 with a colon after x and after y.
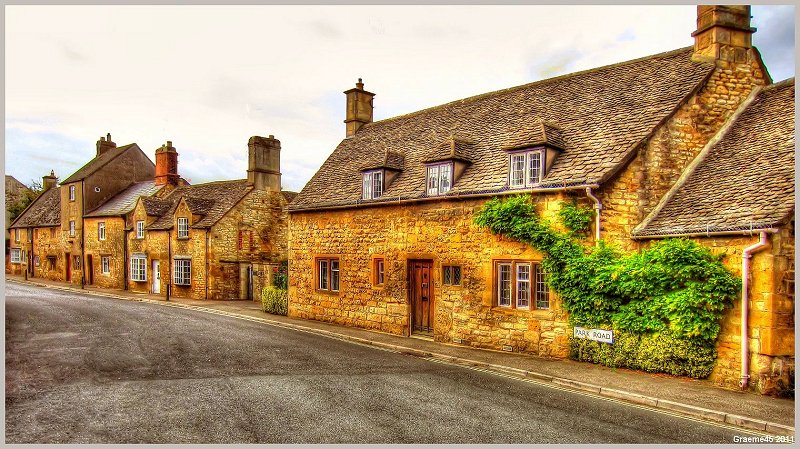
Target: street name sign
x: 601, y: 335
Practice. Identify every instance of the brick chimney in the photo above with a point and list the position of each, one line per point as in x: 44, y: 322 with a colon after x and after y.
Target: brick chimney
x: 264, y: 163
x: 359, y: 108
x: 49, y: 181
x: 105, y: 144
x: 723, y: 33
x: 167, y: 165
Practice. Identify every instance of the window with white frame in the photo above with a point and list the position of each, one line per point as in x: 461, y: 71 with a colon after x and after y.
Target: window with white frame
x: 439, y: 178
x: 328, y: 274
x: 101, y: 230
x: 29, y: 233
x: 525, y: 169
x: 36, y: 260
x: 520, y: 285
x: 16, y: 255
x: 139, y: 268
x: 140, y: 229
x: 105, y: 263
x: 16, y: 235
x: 72, y: 228
x: 72, y: 193
x: 182, y: 272
x: 183, y: 228
x: 372, y: 184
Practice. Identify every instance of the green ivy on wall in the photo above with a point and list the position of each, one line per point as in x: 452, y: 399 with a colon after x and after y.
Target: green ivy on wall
x: 674, y: 291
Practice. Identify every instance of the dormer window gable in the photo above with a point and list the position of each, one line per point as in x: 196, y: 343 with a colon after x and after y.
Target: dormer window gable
x: 372, y: 184
x: 377, y: 177
x: 445, y: 164
x: 531, y: 152
x: 526, y: 168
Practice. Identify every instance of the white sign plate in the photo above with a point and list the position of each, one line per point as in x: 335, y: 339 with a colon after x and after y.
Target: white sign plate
x: 601, y: 335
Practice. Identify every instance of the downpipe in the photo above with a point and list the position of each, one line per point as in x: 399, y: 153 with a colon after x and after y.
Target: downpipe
x: 747, y: 254
x: 597, y: 208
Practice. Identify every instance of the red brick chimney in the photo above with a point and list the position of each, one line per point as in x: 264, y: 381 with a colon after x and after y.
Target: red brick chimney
x: 49, y: 181
x: 167, y: 165
x: 105, y: 144
x: 359, y: 108
x: 723, y: 32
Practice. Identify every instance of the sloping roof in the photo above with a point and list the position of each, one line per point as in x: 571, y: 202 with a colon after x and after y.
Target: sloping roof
x: 602, y: 113
x: 456, y: 148
x: 98, y: 162
x: 743, y: 181
x: 156, y: 207
x: 14, y: 190
x: 125, y: 201
x: 289, y: 195
x: 211, y: 200
x: 44, y: 211
x: 537, y: 133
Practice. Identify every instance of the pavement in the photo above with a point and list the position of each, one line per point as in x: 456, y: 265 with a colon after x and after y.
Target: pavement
x: 699, y: 399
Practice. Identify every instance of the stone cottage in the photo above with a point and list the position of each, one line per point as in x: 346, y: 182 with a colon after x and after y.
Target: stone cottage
x: 382, y: 237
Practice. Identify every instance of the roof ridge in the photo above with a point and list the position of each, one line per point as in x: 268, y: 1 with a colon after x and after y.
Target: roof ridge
x: 531, y: 84
x: 779, y: 84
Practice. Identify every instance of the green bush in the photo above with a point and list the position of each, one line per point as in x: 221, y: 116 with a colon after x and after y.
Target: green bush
x: 274, y: 300
x: 281, y: 277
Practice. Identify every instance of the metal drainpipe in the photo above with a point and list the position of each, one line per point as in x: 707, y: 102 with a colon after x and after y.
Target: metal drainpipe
x: 83, y: 235
x: 745, y: 341
x: 206, y: 257
x: 597, y: 208
x: 125, y: 260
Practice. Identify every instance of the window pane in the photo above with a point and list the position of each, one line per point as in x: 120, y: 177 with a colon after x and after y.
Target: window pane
x: 517, y: 170
x: 542, y: 292
x: 445, y: 176
x: 367, y: 186
x: 534, y: 167
x: 334, y: 275
x: 456, y: 275
x: 380, y: 271
x: 523, y: 285
x: 504, y: 285
x: 377, y: 184
x: 433, y: 180
x: 323, y: 274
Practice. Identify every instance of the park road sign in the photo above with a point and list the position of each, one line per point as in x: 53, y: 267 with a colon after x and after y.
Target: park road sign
x: 601, y: 335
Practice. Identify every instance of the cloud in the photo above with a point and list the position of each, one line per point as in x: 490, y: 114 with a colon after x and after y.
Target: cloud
x: 72, y: 54
x: 775, y: 38
x: 325, y: 29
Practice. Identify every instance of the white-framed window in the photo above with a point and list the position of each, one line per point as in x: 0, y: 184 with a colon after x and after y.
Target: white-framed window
x: 328, y: 274
x: 525, y: 169
x: 29, y: 234
x: 16, y: 255
x: 16, y: 234
x: 183, y: 227
x: 72, y: 193
x: 182, y: 272
x: 140, y: 229
x: 105, y: 264
x: 36, y: 260
x: 439, y: 178
x: 139, y: 268
x: 101, y: 230
x: 372, y: 184
x: 521, y: 285
x: 72, y: 228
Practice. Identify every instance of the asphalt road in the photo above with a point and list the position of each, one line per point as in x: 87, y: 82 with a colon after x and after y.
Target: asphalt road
x: 87, y: 369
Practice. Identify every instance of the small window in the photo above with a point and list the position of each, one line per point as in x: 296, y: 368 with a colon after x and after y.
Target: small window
x: 451, y: 275
x: 72, y: 228
x: 439, y: 178
x: 372, y: 184
x: 526, y: 169
x: 328, y: 274
x: 140, y: 229
x: 183, y: 228
x: 521, y: 285
x: 16, y: 255
x: 378, y: 270
x: 52, y: 233
x: 182, y: 273
x: 105, y: 263
x: 29, y: 233
x: 76, y: 262
x: 101, y: 230
x: 72, y: 193
x: 36, y: 260
x: 139, y: 268
x: 16, y: 235
x: 52, y: 261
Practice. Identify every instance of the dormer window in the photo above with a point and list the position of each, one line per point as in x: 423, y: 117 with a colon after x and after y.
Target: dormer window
x: 439, y: 178
x: 372, y: 184
x: 526, y: 169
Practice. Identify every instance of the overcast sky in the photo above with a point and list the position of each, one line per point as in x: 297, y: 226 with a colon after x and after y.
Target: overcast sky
x: 209, y: 77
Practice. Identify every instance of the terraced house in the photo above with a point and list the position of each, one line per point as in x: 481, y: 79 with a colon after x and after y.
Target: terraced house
x: 152, y: 232
x: 382, y: 236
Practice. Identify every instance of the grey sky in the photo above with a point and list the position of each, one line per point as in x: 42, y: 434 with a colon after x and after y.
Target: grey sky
x: 209, y: 77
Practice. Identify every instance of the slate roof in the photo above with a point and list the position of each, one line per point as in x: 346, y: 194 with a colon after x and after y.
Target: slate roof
x: 156, y: 207
x: 456, y: 148
x: 125, y: 201
x: 98, y: 162
x: 45, y: 210
x: 743, y: 181
x: 14, y: 190
x: 537, y: 133
x: 599, y: 115
x: 211, y: 200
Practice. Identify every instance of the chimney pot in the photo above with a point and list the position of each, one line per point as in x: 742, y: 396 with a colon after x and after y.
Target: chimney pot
x: 271, y: 136
x: 169, y: 143
x: 167, y: 165
x: 359, y: 108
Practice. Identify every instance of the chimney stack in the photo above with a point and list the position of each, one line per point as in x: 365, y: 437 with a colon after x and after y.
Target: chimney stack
x: 723, y: 33
x: 359, y: 108
x: 167, y: 165
x: 264, y: 163
x: 49, y: 181
x: 105, y: 144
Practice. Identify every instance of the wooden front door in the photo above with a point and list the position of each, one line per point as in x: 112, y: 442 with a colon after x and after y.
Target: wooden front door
x: 89, y: 270
x: 68, y: 267
x: 420, y: 273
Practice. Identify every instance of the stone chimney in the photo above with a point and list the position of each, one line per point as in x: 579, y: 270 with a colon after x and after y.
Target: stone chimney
x: 723, y: 33
x: 264, y: 163
x: 359, y: 108
x: 105, y: 144
x: 49, y: 181
x: 167, y: 165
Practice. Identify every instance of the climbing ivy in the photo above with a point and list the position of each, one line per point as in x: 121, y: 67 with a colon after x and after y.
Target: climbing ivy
x: 675, y: 288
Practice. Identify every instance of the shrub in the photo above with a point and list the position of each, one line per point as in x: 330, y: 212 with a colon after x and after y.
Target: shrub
x: 281, y: 277
x: 274, y: 300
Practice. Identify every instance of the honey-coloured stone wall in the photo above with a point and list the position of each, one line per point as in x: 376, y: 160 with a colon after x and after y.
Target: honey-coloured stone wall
x: 112, y: 247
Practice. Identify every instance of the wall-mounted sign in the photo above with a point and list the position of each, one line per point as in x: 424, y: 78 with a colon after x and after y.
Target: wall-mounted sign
x: 601, y: 335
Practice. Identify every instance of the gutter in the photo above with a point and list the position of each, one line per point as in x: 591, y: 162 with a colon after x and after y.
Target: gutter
x: 597, y: 208
x: 706, y: 234
x: 747, y: 253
